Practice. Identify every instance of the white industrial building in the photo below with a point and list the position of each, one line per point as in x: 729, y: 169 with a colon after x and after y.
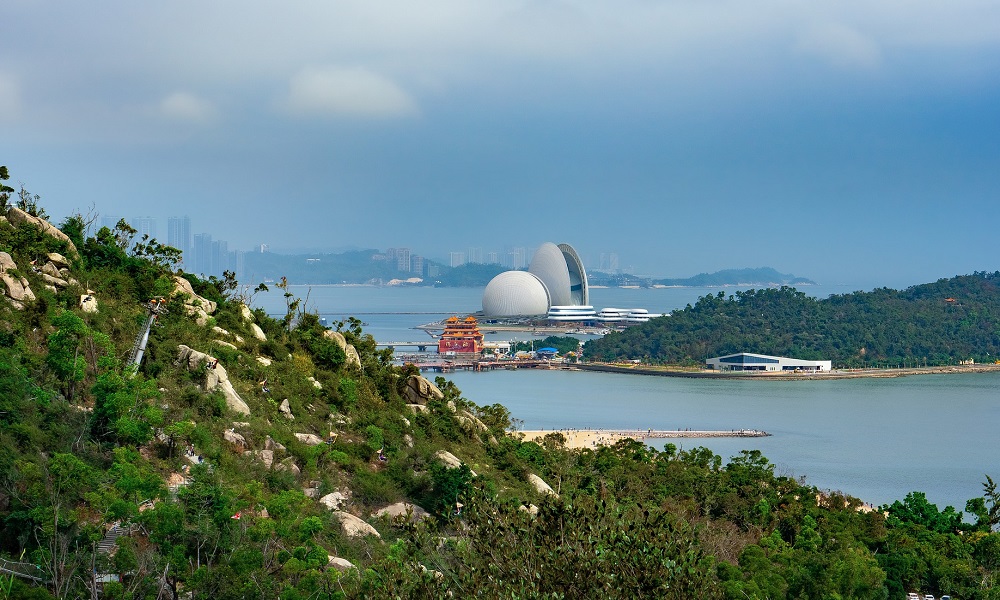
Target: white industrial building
x: 745, y: 361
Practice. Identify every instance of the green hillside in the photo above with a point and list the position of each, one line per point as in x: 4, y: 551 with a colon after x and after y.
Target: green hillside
x: 252, y: 457
x: 938, y: 323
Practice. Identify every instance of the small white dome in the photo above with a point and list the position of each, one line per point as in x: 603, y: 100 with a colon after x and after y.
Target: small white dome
x: 515, y: 294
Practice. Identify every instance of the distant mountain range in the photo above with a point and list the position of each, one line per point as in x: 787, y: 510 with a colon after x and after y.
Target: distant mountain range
x: 373, y: 267
x: 761, y: 276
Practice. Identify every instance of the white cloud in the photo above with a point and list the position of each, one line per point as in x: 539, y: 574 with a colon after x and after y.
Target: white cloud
x: 10, y: 98
x: 346, y: 91
x: 841, y: 46
x: 184, y: 106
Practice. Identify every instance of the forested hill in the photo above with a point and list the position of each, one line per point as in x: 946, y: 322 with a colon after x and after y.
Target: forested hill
x: 937, y: 323
x: 247, y: 457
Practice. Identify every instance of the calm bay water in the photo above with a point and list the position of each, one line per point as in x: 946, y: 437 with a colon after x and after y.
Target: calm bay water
x: 876, y: 439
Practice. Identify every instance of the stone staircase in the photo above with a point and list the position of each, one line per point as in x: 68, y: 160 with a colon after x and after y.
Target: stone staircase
x: 108, y: 544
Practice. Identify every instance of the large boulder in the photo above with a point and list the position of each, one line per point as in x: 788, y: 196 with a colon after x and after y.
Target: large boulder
x: 58, y: 260
x: 334, y: 500
x: 450, y: 460
x: 194, y: 304
x: 540, y: 486
x: 88, y: 303
x: 6, y: 262
x: 216, y: 377
x: 403, y: 511
x: 354, y: 526
x: 258, y: 332
x: 18, y: 217
x: 419, y: 390
x: 309, y: 439
x: 341, y: 564
x: 353, y: 358
x: 17, y: 288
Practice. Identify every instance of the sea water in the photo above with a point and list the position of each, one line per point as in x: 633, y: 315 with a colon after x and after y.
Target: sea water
x: 876, y: 439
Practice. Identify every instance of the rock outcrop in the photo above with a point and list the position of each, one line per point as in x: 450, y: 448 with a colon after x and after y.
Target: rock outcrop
x: 403, y: 511
x: 334, y: 500
x: 353, y: 526
x: 88, y: 303
x: 309, y: 439
x: 419, y: 390
x: 353, y: 358
x: 540, y: 485
x: 450, y: 460
x: 16, y: 216
x: 194, y: 305
x: 216, y: 377
x: 286, y: 409
x: 341, y: 564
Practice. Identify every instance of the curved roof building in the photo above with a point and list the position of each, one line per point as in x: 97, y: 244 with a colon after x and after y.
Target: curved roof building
x: 556, y: 277
x: 549, y: 265
x: 515, y: 294
x: 579, y: 290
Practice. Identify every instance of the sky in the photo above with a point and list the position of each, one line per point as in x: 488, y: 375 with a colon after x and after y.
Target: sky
x: 850, y: 142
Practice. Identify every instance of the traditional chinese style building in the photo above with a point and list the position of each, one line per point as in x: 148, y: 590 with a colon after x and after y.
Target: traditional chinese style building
x: 461, y: 337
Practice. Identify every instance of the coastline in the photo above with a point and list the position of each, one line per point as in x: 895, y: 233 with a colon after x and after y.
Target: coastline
x: 591, y: 438
x: 697, y: 373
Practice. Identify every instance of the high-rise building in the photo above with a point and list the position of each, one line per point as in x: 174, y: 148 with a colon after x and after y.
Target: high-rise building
x: 417, y: 265
x: 403, y: 259
x: 110, y: 221
x: 144, y: 226
x: 179, y: 236
x: 202, y: 246
x: 517, y: 258
x: 475, y: 256
x: 457, y: 259
x: 220, y: 258
x: 492, y: 258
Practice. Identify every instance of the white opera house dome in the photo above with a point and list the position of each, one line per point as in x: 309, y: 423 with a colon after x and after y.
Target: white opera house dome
x: 556, y: 277
x: 515, y: 294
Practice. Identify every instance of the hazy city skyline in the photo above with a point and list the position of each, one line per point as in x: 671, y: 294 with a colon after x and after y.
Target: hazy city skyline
x: 850, y: 142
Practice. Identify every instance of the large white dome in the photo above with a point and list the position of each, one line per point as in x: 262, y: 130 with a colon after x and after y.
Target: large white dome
x: 515, y: 294
x: 549, y: 265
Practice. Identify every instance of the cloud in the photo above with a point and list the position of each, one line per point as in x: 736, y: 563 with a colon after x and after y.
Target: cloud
x: 10, y: 98
x: 183, y: 106
x: 346, y: 91
x: 841, y: 46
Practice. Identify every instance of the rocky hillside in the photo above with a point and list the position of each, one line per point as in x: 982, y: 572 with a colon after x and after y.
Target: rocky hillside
x: 226, y: 454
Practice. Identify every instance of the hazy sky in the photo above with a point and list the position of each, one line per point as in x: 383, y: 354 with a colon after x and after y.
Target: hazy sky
x: 849, y: 141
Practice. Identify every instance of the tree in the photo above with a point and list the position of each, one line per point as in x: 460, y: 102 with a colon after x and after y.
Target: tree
x: 5, y: 190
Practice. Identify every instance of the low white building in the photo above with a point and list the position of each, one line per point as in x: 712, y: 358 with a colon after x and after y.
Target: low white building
x: 745, y: 361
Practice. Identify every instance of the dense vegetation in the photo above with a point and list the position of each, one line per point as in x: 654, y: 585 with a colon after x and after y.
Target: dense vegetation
x: 90, y: 448
x: 938, y: 323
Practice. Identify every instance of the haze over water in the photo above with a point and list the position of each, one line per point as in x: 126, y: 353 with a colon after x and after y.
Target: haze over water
x: 876, y: 439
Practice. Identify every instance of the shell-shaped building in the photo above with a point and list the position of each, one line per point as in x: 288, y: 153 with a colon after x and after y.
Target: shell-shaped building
x: 515, y: 294
x: 556, y: 277
x: 549, y: 265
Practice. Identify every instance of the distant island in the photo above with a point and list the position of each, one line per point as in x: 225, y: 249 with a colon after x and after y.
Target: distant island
x: 947, y: 322
x: 761, y: 276
x: 373, y: 267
